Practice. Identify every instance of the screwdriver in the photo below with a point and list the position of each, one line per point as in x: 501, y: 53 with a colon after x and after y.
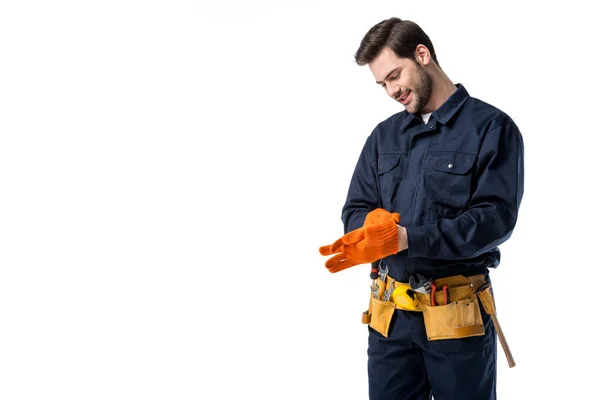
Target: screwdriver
x: 375, y: 270
x: 374, y: 274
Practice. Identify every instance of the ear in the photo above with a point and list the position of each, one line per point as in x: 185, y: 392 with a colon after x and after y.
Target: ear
x: 422, y: 55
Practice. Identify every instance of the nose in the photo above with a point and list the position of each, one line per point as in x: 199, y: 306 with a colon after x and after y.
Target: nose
x: 393, y: 91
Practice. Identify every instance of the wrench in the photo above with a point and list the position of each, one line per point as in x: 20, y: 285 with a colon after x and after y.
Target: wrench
x: 388, y: 292
x: 383, y: 271
x: 422, y: 286
x: 375, y: 291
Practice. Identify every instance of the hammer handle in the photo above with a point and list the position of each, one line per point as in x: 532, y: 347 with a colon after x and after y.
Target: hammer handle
x: 509, y: 357
x: 487, y: 299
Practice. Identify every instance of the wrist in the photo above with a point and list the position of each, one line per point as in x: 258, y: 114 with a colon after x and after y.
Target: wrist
x: 402, y: 238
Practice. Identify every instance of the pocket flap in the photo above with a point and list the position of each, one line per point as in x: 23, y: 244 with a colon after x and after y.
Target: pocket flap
x: 452, y: 162
x: 381, y: 315
x: 387, y: 162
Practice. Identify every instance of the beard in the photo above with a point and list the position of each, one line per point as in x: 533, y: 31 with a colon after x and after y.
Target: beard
x: 422, y: 90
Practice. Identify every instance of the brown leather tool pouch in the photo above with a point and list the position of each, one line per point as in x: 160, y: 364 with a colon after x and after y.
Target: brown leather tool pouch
x: 458, y: 319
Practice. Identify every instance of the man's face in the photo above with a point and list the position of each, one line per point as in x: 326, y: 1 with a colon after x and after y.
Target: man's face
x: 403, y: 79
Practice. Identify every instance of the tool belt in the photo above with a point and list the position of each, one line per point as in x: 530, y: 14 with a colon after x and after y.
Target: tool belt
x: 454, y: 313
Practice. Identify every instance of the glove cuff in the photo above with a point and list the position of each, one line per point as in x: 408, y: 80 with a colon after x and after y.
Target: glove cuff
x: 387, y: 237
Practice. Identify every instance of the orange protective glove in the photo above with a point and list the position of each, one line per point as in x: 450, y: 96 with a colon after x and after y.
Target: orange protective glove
x: 362, y: 246
x: 379, y: 215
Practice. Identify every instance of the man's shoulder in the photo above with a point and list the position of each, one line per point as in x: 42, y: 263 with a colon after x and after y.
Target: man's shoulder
x: 487, y: 112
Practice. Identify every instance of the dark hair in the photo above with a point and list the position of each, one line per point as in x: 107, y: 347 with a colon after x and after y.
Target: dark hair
x: 402, y: 37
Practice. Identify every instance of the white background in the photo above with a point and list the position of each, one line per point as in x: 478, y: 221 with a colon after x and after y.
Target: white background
x: 164, y: 163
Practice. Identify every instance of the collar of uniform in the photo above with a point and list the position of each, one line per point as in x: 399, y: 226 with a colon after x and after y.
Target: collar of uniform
x: 452, y: 105
x: 445, y: 111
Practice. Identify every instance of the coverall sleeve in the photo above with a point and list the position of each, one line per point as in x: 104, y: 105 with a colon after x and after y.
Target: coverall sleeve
x: 363, y: 193
x: 491, y: 214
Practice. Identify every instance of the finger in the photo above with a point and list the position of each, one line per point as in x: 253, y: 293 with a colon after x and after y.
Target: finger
x: 327, y: 250
x: 375, y: 216
x: 335, y: 260
x: 354, y: 237
x: 396, y: 217
x: 337, y: 246
x: 342, y: 265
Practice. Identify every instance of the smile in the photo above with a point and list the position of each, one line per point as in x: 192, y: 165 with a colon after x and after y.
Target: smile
x: 404, y: 99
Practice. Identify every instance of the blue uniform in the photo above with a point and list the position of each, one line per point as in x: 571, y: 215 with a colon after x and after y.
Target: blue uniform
x: 457, y: 182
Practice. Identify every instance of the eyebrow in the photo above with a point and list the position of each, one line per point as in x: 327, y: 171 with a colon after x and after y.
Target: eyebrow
x: 388, y: 75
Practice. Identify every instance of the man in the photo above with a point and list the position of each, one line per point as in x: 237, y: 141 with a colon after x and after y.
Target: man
x: 436, y: 189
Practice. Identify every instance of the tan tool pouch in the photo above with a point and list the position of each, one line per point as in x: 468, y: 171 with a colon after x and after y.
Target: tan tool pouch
x: 380, y: 313
x: 459, y: 318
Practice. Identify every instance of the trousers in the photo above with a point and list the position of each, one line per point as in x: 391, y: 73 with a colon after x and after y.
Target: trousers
x: 406, y: 366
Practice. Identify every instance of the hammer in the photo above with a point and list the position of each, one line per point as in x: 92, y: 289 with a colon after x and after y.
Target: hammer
x: 485, y: 295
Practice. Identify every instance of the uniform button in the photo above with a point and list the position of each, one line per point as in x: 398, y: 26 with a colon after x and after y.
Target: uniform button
x: 431, y: 126
x: 450, y: 166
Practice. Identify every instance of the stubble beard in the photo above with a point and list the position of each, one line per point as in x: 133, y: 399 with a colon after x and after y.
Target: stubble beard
x: 423, y: 90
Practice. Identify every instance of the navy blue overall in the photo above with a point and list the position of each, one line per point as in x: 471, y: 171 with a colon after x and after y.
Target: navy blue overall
x: 457, y: 182
x: 406, y: 366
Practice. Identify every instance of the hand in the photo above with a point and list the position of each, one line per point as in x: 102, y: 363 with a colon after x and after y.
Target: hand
x: 362, y: 246
x: 379, y: 215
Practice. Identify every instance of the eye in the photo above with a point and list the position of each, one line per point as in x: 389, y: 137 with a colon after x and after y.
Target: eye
x: 396, y: 76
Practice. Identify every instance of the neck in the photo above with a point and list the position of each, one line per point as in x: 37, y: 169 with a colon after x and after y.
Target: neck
x: 442, y: 89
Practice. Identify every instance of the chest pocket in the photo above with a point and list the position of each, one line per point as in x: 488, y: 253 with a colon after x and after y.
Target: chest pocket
x: 448, y: 177
x: 391, y: 172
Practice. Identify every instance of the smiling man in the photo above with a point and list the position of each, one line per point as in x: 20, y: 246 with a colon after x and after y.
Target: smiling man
x: 436, y: 190
x: 407, y: 81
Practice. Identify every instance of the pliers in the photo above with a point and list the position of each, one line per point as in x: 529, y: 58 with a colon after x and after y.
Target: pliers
x: 446, y: 295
